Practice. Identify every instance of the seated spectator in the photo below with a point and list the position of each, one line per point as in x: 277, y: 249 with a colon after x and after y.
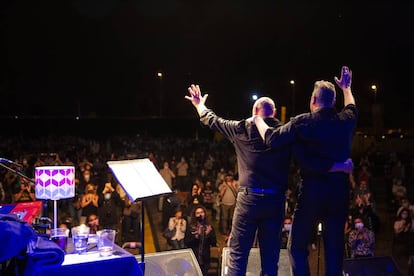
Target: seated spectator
x: 402, y: 224
x: 398, y: 189
x: 365, y: 211
x: 405, y: 204
x: 403, y: 245
x: 171, y: 203
x: 361, y: 240
x: 89, y: 201
x: 93, y: 223
x: 26, y: 192
x: 194, y: 198
x: 362, y: 190
x: 178, y: 226
x: 109, y: 207
x: 131, y: 216
x: 209, y: 194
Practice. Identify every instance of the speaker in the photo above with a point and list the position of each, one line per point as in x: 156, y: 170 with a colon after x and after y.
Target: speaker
x: 371, y: 266
x: 253, y: 265
x: 173, y: 262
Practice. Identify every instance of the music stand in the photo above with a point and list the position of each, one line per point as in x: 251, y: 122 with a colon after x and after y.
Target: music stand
x: 140, y: 179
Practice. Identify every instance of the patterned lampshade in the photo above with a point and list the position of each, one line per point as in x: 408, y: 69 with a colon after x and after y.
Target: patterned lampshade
x: 55, y: 182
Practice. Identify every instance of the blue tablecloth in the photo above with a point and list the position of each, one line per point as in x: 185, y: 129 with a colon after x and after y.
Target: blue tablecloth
x: 90, y: 263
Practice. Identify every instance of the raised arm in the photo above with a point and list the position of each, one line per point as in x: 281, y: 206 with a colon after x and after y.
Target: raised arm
x: 345, y: 84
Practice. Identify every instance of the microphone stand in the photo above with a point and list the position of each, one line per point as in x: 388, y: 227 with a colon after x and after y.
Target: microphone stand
x: 319, y: 234
x: 19, y: 173
x: 201, y: 245
x: 31, y: 180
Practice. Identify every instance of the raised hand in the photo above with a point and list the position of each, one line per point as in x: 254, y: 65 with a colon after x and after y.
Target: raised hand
x: 349, y: 165
x: 195, y: 95
x: 346, y: 78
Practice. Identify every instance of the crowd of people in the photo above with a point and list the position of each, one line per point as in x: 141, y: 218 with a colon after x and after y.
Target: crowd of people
x: 100, y: 201
x: 204, y: 174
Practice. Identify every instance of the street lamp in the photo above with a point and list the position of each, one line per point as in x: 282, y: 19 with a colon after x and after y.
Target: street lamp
x: 160, y: 76
x: 374, y: 89
x: 376, y: 112
x: 292, y: 83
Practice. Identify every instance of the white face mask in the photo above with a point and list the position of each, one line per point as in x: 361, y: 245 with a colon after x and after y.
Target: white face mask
x: 107, y: 196
x: 404, y: 216
x: 288, y: 227
x: 359, y: 225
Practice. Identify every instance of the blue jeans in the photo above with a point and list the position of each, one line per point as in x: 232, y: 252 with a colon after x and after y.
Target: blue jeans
x: 261, y: 214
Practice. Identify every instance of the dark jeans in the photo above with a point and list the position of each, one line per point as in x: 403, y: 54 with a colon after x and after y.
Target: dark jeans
x: 325, y: 201
x: 261, y: 214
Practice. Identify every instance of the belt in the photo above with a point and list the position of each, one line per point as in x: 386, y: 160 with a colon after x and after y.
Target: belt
x: 258, y: 191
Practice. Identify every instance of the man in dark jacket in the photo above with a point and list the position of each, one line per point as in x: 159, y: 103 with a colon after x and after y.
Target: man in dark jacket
x: 263, y: 179
x: 322, y: 197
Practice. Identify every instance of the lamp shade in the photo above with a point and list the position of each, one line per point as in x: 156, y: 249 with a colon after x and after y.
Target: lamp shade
x: 55, y: 182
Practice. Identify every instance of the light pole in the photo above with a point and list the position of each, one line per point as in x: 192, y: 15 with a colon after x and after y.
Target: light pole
x: 292, y: 84
x: 376, y: 112
x: 160, y: 76
x: 374, y: 89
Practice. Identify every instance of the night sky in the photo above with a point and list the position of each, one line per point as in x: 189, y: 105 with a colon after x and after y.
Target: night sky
x: 101, y: 57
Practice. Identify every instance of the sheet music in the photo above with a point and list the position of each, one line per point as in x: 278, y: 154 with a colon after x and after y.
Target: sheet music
x: 139, y: 178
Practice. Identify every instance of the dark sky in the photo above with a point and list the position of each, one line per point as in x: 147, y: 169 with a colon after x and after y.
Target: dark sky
x: 100, y: 57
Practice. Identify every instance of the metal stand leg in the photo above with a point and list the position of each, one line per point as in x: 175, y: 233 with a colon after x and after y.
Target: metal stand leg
x: 142, y: 263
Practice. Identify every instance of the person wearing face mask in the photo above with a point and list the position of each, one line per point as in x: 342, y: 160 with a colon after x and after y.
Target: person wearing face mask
x: 403, y: 243
x: 361, y: 240
x: 109, y: 207
x: 405, y: 204
x: 287, y: 226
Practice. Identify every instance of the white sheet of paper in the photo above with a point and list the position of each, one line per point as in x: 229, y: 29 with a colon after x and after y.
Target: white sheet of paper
x: 139, y: 178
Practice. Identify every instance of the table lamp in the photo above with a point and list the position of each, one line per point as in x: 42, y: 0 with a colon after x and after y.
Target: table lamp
x: 54, y: 183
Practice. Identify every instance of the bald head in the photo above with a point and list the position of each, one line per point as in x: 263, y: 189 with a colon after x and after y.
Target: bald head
x: 264, y: 107
x: 323, y: 95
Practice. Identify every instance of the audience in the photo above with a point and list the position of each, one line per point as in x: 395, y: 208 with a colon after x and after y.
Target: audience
x: 204, y: 162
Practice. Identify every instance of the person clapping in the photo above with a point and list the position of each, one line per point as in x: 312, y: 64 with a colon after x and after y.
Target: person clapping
x: 177, y: 225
